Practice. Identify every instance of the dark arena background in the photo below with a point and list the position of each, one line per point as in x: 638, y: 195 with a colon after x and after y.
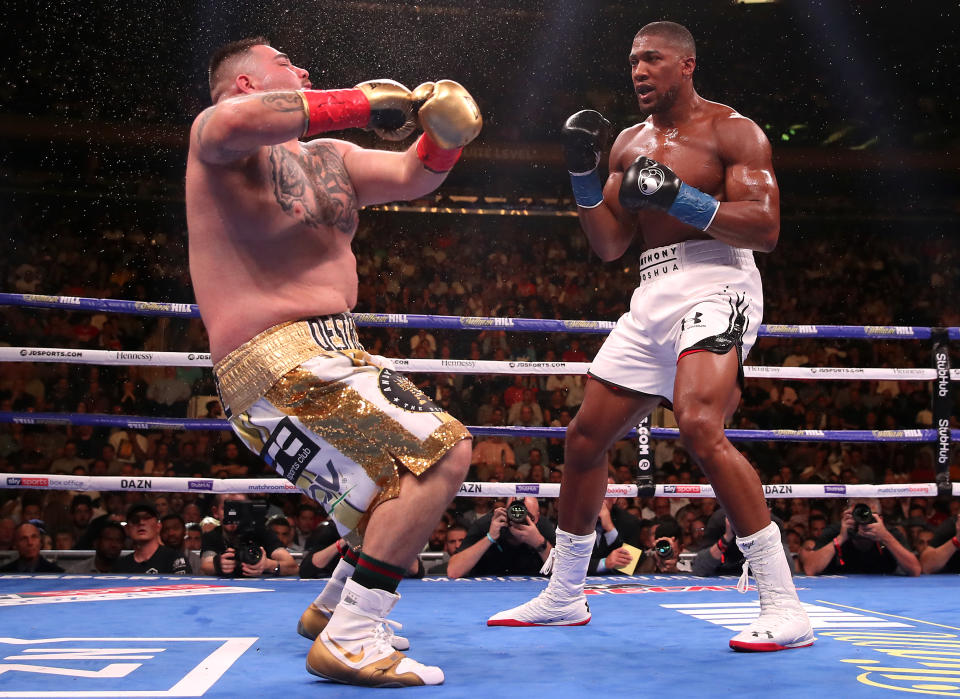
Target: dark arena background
x: 488, y: 296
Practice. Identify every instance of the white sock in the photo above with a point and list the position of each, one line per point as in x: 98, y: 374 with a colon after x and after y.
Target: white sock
x: 570, y: 562
x: 330, y: 596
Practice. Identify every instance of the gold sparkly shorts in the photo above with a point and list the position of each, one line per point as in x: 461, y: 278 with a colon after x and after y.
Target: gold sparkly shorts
x: 331, y: 418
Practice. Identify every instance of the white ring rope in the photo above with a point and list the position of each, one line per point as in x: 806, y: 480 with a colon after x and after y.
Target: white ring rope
x: 163, y: 484
x: 455, y: 366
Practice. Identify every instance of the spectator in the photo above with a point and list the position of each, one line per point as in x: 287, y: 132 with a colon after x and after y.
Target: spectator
x: 193, y: 537
x: 173, y: 532
x: 281, y: 526
x: 306, y: 522
x: 108, y: 545
x: 149, y: 555
x: 81, y: 512
x: 615, y: 527
x: 322, y: 553
x: 860, y: 546
x: 490, y: 452
x: 7, y: 527
x: 943, y: 553
x: 453, y: 539
x: 722, y: 556
x: 495, y: 547
x: 28, y: 539
x: 169, y: 394
x: 68, y: 459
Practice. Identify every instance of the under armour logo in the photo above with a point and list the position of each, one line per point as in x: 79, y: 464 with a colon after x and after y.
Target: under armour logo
x: 691, y: 322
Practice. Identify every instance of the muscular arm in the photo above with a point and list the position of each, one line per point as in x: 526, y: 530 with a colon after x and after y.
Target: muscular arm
x: 749, y: 216
x: 236, y: 127
x: 907, y: 560
x: 380, y: 176
x: 933, y: 559
x: 607, y: 227
x: 281, y: 557
x: 814, y: 562
x: 463, y: 561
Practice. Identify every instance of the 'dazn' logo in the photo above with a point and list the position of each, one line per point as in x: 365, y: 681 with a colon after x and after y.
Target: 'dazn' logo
x: 400, y: 391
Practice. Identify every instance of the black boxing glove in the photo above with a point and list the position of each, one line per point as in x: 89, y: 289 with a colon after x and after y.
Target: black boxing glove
x: 648, y: 184
x: 585, y: 137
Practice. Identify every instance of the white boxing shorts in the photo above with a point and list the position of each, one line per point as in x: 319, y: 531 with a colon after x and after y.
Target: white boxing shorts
x: 698, y: 295
x: 332, y: 420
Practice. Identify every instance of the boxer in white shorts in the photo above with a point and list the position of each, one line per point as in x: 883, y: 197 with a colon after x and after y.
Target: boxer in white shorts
x: 694, y: 183
x: 693, y: 296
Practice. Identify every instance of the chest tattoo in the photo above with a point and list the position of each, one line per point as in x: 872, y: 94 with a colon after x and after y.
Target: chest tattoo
x: 313, y: 187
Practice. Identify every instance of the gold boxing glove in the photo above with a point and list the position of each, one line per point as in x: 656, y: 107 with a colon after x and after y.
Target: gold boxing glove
x: 391, y: 109
x: 447, y: 113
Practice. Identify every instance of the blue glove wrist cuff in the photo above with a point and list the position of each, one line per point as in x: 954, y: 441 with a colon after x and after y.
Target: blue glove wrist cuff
x: 693, y: 207
x: 587, y: 189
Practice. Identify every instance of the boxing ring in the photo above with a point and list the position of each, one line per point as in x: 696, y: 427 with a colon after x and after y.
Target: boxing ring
x: 661, y: 635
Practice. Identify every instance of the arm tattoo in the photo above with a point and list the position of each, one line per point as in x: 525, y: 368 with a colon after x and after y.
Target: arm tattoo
x: 201, y: 124
x: 314, y: 186
x: 283, y: 101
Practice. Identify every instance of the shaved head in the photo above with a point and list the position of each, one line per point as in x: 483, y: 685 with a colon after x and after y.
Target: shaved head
x: 228, y: 61
x: 677, y: 34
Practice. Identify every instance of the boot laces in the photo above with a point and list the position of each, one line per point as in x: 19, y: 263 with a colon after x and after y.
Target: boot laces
x: 383, y: 634
x: 770, y: 600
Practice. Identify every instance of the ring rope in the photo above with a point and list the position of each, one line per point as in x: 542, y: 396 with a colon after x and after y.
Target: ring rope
x: 735, y: 435
x: 165, y: 484
x: 411, y: 320
x: 456, y: 366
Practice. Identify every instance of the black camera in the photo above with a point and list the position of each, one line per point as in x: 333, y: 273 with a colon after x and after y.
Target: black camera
x: 862, y: 514
x: 663, y: 547
x: 517, y: 512
x: 250, y: 518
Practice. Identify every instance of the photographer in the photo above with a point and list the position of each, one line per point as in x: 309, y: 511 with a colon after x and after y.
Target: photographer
x: 723, y: 556
x: 943, y: 553
x: 511, y: 540
x: 242, y: 546
x: 664, y: 556
x: 860, y: 544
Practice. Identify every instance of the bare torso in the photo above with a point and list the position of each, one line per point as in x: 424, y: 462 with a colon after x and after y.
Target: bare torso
x: 691, y: 149
x: 270, y: 239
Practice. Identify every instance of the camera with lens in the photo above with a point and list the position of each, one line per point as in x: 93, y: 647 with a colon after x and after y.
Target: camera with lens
x: 517, y: 512
x: 862, y: 514
x: 663, y: 548
x: 250, y: 518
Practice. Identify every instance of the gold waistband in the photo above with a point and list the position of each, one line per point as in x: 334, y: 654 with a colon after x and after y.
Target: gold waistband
x: 249, y: 371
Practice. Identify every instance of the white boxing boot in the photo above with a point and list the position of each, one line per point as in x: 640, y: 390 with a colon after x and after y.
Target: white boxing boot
x: 782, y: 623
x: 562, y: 603
x: 315, y: 617
x: 355, y: 649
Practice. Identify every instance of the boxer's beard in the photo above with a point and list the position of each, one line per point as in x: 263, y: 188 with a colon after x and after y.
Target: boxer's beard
x: 666, y: 101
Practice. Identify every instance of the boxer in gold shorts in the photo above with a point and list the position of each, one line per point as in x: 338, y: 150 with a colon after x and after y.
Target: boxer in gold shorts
x: 271, y: 218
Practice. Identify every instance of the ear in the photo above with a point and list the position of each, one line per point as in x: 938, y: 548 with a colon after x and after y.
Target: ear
x: 244, y: 83
x: 687, y: 66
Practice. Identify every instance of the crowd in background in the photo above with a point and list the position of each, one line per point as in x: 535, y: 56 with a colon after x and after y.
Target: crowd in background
x: 474, y: 266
